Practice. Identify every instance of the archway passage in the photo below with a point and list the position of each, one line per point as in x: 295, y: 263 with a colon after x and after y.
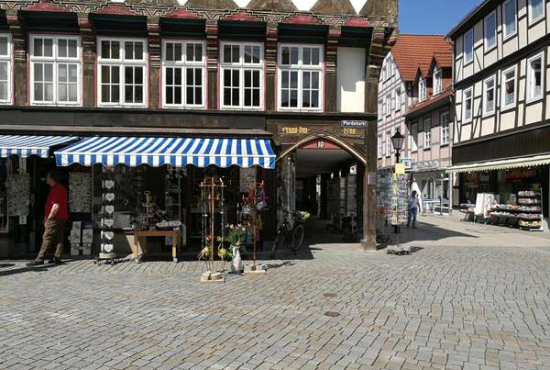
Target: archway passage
x: 326, y: 181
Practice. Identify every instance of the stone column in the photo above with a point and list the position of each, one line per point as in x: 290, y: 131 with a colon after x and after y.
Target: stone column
x: 331, y: 78
x: 271, y: 66
x: 154, y: 46
x: 213, y: 54
x: 89, y: 55
x: 19, y: 39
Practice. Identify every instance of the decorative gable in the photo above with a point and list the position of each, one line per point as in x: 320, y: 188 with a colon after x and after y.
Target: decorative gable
x: 274, y: 5
x: 333, y: 7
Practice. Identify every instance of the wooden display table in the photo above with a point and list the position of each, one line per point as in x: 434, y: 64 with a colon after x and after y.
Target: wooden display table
x: 144, y: 234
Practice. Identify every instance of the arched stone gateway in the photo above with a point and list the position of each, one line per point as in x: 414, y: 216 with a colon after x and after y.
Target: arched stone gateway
x: 341, y: 143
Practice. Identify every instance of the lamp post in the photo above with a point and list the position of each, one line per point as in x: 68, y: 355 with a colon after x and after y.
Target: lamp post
x: 397, y: 141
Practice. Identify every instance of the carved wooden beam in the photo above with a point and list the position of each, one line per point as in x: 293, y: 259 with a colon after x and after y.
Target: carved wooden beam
x: 19, y: 39
x: 89, y: 53
x: 213, y: 52
x: 271, y: 53
x: 154, y: 47
x: 330, y: 64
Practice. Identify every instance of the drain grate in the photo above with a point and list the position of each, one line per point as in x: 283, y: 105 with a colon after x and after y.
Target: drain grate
x: 332, y: 314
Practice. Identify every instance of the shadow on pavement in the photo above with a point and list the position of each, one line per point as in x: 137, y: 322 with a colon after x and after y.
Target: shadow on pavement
x: 425, y: 232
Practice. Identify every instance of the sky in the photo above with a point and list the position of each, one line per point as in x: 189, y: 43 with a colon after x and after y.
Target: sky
x: 436, y: 17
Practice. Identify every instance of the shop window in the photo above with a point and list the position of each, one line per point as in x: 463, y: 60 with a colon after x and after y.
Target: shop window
x: 398, y: 97
x: 438, y: 81
x: 301, y: 77
x: 510, y: 18
x: 242, y: 76
x: 427, y: 133
x: 389, y: 148
x: 536, y: 10
x: 509, y: 88
x: 55, y: 70
x: 414, y: 138
x: 489, y: 95
x: 490, y: 31
x: 468, y: 46
x: 184, y: 74
x: 534, y: 78
x: 421, y: 89
x: 467, y: 105
x: 445, y: 122
x: 5, y: 69
x: 122, y: 73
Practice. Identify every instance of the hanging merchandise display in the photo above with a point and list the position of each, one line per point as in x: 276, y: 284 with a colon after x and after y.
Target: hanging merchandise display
x: 397, y: 202
x: 257, y: 203
x: 80, y: 195
x: 107, y: 215
x: 212, y: 199
x: 19, y: 194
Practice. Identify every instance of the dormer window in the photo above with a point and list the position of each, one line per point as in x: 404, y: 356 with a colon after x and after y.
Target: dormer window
x: 421, y: 89
x: 438, y: 81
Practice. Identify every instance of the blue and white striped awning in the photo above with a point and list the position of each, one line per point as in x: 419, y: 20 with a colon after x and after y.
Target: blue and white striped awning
x: 25, y: 146
x: 179, y: 152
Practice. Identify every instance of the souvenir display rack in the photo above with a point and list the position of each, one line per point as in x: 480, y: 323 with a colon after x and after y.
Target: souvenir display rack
x: 526, y: 214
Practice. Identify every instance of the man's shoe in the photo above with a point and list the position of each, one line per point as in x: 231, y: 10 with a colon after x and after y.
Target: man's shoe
x: 36, y: 262
x: 56, y: 261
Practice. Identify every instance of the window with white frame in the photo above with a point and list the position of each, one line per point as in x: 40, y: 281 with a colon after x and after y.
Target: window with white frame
x: 444, y: 123
x: 438, y: 81
x: 242, y: 75
x: 301, y: 77
x: 490, y: 27
x: 510, y: 18
x: 427, y: 133
x: 414, y: 137
x: 536, y: 10
x: 388, y: 143
x: 421, y: 89
x: 5, y: 69
x: 380, y: 109
x: 467, y: 104
x: 55, y: 70
x: 383, y: 145
x: 122, y: 69
x: 489, y: 96
x: 384, y: 106
x: 380, y: 144
x: 509, y: 82
x: 469, y: 46
x: 388, y: 104
x: 534, y: 77
x: 183, y: 71
x: 398, y: 99
x: 393, y: 101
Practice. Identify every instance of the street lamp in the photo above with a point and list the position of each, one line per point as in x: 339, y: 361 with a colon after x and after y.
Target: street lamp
x: 397, y: 141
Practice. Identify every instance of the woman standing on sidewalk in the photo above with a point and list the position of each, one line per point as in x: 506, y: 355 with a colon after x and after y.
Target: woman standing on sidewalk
x: 414, y: 204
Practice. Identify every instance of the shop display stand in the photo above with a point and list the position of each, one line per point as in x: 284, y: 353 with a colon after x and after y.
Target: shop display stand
x: 532, y: 198
x: 398, y: 208
x: 257, y: 197
x: 212, y: 193
x: 107, y: 220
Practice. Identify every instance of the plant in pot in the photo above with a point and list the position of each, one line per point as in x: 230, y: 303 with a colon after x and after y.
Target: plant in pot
x: 235, y: 236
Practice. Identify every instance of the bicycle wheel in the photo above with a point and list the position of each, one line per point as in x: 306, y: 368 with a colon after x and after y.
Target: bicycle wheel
x: 297, y: 237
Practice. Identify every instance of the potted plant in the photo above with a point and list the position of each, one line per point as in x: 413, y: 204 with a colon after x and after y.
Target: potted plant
x: 235, y: 236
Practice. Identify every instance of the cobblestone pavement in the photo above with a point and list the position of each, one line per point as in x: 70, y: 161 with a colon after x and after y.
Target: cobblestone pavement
x: 335, y: 307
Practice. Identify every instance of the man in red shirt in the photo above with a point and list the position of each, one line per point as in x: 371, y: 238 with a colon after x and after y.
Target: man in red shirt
x: 56, y: 215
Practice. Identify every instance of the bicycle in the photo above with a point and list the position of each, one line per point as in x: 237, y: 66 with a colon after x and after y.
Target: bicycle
x: 291, y: 237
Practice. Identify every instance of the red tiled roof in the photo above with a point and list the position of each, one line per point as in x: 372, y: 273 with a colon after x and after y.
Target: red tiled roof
x: 432, y: 100
x: 413, y: 52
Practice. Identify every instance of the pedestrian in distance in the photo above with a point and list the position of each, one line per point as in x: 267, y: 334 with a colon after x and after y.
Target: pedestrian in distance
x: 56, y: 215
x: 414, y: 204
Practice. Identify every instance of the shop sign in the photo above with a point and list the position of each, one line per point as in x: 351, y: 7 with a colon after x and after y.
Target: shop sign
x: 352, y: 132
x: 408, y: 163
x: 353, y: 123
x: 520, y: 173
x: 428, y: 165
x: 294, y: 130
